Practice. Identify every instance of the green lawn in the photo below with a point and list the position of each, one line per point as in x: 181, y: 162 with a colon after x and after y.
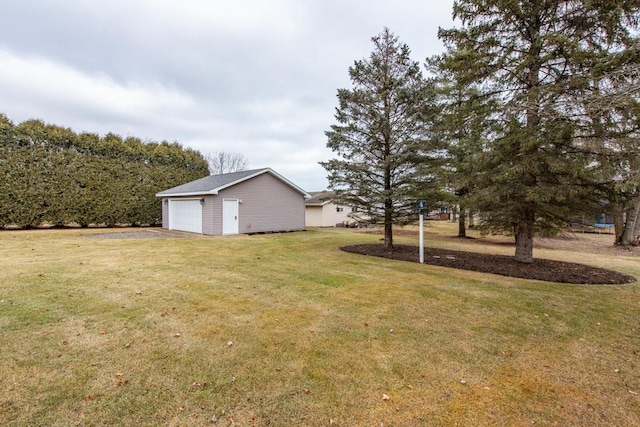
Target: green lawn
x: 286, y: 330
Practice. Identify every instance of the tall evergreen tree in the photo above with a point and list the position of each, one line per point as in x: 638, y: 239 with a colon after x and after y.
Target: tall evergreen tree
x: 609, y: 105
x: 463, y: 125
x: 532, y: 175
x: 381, y: 135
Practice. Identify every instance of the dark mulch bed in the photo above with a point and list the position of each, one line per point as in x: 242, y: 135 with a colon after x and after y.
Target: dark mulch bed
x: 540, y: 269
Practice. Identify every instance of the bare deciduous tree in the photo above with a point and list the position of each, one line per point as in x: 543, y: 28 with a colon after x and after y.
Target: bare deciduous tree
x: 225, y: 162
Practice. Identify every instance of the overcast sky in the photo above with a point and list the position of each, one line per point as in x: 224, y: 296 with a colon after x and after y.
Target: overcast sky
x: 256, y: 77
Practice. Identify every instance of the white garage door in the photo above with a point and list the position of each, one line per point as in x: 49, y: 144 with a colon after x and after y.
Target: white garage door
x: 185, y: 215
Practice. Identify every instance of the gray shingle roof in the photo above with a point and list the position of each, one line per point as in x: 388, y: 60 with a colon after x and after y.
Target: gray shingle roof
x: 214, y: 183
x: 319, y: 198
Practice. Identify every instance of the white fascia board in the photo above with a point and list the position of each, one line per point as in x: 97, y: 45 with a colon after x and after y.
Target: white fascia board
x: 198, y: 193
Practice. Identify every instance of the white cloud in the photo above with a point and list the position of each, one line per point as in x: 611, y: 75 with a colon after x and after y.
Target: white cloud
x: 48, y: 83
x: 250, y: 76
x: 242, y: 18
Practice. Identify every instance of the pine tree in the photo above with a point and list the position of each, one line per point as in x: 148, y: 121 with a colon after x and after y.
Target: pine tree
x: 463, y: 125
x: 382, y: 135
x: 533, y: 174
x: 608, y: 104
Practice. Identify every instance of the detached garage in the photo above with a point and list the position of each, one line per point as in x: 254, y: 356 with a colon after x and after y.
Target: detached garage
x: 253, y: 201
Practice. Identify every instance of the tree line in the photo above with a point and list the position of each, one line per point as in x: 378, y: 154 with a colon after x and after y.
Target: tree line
x: 52, y: 176
x: 530, y: 119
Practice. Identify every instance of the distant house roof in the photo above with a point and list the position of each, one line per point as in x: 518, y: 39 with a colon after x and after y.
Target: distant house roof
x: 320, y: 198
x: 212, y: 184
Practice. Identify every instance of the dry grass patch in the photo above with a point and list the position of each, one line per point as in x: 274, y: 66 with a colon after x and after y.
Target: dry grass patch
x: 287, y: 330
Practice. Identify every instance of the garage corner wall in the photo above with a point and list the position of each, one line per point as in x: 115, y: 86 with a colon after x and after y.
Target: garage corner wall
x: 165, y: 213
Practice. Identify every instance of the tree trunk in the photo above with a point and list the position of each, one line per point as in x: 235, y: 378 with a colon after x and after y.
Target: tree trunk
x: 388, y: 235
x: 462, y: 231
x: 388, y: 202
x: 388, y: 224
x: 636, y: 231
x: 525, y: 227
x: 618, y: 222
x: 472, y: 222
x: 524, y: 241
x: 628, y: 238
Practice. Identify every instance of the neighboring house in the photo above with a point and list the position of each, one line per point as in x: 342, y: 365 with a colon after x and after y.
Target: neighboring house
x: 253, y: 201
x: 320, y: 211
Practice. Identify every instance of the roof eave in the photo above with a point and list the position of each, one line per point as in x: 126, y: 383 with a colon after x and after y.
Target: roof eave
x: 193, y: 193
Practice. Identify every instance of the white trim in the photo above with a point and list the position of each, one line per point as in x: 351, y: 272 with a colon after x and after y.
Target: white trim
x: 198, y: 194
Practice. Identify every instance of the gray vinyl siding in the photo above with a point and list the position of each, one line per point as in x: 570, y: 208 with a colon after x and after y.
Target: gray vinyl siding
x: 165, y: 213
x: 268, y: 204
x: 208, y: 223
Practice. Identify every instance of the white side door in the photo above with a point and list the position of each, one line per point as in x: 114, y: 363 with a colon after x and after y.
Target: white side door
x: 230, y: 222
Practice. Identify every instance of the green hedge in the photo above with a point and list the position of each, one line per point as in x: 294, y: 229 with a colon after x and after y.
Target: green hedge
x: 50, y: 175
